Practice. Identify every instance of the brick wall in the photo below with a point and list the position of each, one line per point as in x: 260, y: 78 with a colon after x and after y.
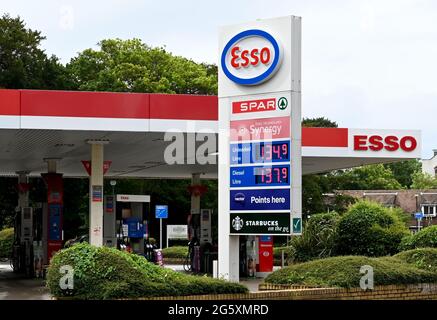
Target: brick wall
x: 424, y: 291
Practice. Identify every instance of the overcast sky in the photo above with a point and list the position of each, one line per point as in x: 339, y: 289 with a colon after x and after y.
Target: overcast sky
x: 366, y: 64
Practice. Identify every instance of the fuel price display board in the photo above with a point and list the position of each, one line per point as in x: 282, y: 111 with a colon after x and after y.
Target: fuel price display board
x: 260, y: 167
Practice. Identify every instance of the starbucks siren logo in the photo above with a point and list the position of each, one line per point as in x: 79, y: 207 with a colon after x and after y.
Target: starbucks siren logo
x: 237, y: 223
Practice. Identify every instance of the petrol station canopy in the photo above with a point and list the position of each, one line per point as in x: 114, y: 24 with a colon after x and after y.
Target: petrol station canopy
x: 36, y: 125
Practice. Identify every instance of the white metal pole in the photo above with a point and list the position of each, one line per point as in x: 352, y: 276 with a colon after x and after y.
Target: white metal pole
x: 160, y: 233
x: 96, y: 205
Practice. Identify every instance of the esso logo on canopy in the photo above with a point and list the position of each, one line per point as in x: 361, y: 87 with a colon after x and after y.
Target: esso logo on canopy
x: 389, y: 143
x: 251, y: 57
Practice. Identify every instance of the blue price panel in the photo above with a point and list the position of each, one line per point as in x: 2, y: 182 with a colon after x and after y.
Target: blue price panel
x: 260, y: 152
x: 260, y: 199
x: 260, y: 176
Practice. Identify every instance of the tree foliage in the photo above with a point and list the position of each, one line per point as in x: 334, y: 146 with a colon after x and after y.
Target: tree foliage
x: 132, y: 66
x: 23, y: 64
x: 320, y: 122
x: 370, y: 177
x: 422, y: 180
x: 369, y: 229
x: 404, y: 171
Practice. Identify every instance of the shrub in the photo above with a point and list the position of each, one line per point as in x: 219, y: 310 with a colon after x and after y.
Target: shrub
x: 177, y: 252
x: 345, y: 272
x: 427, y: 237
x: 277, y: 254
x: 6, y: 242
x: 423, y: 258
x: 317, y: 239
x: 107, y: 273
x: 369, y: 229
x: 402, y: 216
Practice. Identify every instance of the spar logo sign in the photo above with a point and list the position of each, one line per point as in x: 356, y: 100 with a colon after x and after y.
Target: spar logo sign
x: 269, y: 104
x: 251, y: 57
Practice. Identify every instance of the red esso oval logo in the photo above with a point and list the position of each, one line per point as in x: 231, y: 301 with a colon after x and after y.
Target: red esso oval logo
x: 244, y: 58
x: 251, y: 57
x: 389, y: 143
x: 266, y: 254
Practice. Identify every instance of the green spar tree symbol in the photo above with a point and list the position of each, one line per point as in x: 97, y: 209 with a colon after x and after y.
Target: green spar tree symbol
x: 282, y: 103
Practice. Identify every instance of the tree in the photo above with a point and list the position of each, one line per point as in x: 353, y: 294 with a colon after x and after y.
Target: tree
x: 132, y: 66
x: 369, y: 229
x: 23, y: 64
x: 313, y: 187
x: 370, y: 177
x: 403, y: 171
x: 320, y: 122
x: 423, y: 181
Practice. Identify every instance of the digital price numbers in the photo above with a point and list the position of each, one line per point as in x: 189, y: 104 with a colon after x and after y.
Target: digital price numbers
x: 272, y: 151
x: 274, y: 175
x: 254, y: 176
x: 260, y: 152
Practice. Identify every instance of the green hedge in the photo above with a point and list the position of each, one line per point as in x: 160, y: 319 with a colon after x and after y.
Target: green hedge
x: 6, y: 242
x: 427, y: 237
x: 369, y: 229
x: 423, y: 258
x: 176, y: 252
x: 107, y: 273
x: 345, y: 272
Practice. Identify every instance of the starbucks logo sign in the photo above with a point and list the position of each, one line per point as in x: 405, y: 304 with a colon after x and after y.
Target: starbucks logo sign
x: 237, y: 223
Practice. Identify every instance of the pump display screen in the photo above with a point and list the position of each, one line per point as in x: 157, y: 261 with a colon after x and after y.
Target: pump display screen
x: 274, y: 175
x: 274, y: 151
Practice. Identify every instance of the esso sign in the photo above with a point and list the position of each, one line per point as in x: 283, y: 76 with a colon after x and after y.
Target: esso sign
x: 389, y: 143
x: 251, y: 57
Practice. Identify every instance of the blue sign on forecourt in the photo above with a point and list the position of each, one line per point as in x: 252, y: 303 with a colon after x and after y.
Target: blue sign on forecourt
x: 260, y: 199
x: 260, y: 176
x: 161, y: 211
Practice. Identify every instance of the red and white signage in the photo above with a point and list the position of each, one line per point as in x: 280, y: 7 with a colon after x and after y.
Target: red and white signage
x: 251, y: 57
x: 277, y: 104
x: 132, y: 198
x: 260, y: 129
x: 87, y: 166
x: 390, y: 143
x: 254, y: 105
x: 366, y: 143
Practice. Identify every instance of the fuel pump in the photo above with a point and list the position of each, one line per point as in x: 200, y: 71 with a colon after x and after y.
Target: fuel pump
x: 192, y: 260
x: 201, y: 251
x: 54, y: 213
x: 130, y: 221
x: 27, y: 248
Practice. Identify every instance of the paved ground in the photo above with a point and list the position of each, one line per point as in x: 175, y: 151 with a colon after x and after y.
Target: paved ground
x: 15, y: 287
